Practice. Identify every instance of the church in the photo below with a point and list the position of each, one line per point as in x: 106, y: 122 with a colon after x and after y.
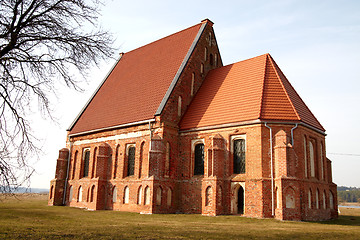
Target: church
x: 172, y: 130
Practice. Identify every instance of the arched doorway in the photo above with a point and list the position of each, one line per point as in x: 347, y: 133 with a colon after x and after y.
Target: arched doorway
x: 240, y: 200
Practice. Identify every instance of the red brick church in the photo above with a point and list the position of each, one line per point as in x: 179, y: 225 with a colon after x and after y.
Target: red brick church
x: 172, y: 130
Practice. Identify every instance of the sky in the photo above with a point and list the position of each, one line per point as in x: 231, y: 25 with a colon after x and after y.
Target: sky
x: 315, y: 43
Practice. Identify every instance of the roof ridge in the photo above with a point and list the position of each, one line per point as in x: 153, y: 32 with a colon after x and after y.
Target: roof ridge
x: 283, y: 87
x: 263, y: 87
x: 160, y: 39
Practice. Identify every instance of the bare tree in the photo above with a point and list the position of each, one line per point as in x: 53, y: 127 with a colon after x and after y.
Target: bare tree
x: 42, y: 42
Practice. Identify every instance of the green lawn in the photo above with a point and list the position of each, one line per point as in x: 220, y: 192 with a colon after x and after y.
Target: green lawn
x: 31, y: 218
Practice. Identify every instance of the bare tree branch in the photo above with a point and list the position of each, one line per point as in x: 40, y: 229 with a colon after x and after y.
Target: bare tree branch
x: 40, y: 40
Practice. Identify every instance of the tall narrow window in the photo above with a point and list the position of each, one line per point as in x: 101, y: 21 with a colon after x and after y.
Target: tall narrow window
x: 305, y: 158
x: 309, y: 199
x: 192, y: 83
x: 116, y: 161
x: 324, y: 200
x: 86, y: 163
x: 80, y: 194
x: 211, y: 59
x: 208, y: 196
x: 331, y: 200
x: 71, y: 193
x: 142, y: 145
x: 126, y: 195
x: 158, y: 196
x: 210, y: 39
x: 51, y: 191
x: 179, y: 106
x: 147, y: 195
x: 312, y: 159
x: 131, y: 161
x: 114, y: 193
x: 317, y: 198
x: 167, y: 160
x: 239, y: 156
x: 199, y: 159
x: 206, y: 53
x: 94, y: 164
x: 202, y: 68
x: 169, y: 197
x: 216, y: 60
x: 92, y: 192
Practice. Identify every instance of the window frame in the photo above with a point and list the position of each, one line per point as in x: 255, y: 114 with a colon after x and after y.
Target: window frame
x: 128, y: 146
x: 85, y: 167
x: 195, y: 142
x: 233, y: 138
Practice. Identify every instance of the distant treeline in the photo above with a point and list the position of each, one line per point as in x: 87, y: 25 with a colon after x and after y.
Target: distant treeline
x: 348, y: 194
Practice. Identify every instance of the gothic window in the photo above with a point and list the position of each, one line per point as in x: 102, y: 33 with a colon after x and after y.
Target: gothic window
x: 167, y: 160
x: 126, y: 195
x: 239, y: 159
x: 158, y: 196
x: 309, y: 199
x: 317, y: 199
x: 210, y: 39
x: 169, y: 197
x: 86, y: 159
x: 70, y: 193
x: 80, y: 194
x: 142, y: 145
x: 116, y: 161
x: 331, y: 200
x: 147, y: 195
x: 324, y: 200
x: 305, y: 158
x: 211, y: 59
x: 202, y: 68
x: 216, y: 60
x: 206, y: 52
x: 92, y: 192
x: 114, y: 194
x: 179, y: 106
x: 208, y: 196
x: 199, y: 159
x: 290, y: 198
x: 312, y: 159
x: 131, y: 160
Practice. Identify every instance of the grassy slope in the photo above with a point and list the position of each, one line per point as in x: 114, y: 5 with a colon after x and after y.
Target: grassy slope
x: 31, y: 218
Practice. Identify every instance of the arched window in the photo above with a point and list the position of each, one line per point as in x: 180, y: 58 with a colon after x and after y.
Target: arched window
x: 216, y: 60
x: 51, y: 191
x: 94, y: 163
x: 114, y: 194
x: 317, y: 199
x: 80, y: 194
x: 205, y: 54
x: 290, y: 198
x: 211, y: 59
x: 312, y: 159
x: 305, y: 159
x: 208, y: 196
x: 309, y: 199
x: 202, y: 68
x: 179, y: 106
x: 139, y: 195
x: 131, y: 160
x: 199, y: 159
x: 86, y: 160
x: 158, y: 196
x: 92, y: 192
x: 126, y: 195
x: 239, y: 159
x: 74, y: 165
x: 169, y: 197
x: 71, y: 193
x: 192, y: 83
x: 147, y: 196
x: 210, y: 39
x: 324, y: 200
x: 219, y: 196
x: 167, y: 160
x: 331, y: 200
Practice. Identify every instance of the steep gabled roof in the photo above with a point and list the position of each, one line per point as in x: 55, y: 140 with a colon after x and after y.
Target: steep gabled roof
x: 254, y: 89
x: 135, y: 88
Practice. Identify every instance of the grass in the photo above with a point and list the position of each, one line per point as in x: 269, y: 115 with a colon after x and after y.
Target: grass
x: 29, y: 217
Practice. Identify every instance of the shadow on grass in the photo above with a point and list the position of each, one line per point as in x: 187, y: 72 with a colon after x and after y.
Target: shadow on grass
x: 347, y: 220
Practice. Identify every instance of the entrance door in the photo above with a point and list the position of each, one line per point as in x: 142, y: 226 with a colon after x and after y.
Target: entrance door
x: 240, y: 202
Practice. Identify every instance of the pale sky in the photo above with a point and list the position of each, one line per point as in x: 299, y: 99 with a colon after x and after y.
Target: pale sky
x: 315, y: 43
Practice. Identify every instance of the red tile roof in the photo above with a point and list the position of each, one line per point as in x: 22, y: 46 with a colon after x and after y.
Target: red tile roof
x: 136, y: 86
x: 254, y: 89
